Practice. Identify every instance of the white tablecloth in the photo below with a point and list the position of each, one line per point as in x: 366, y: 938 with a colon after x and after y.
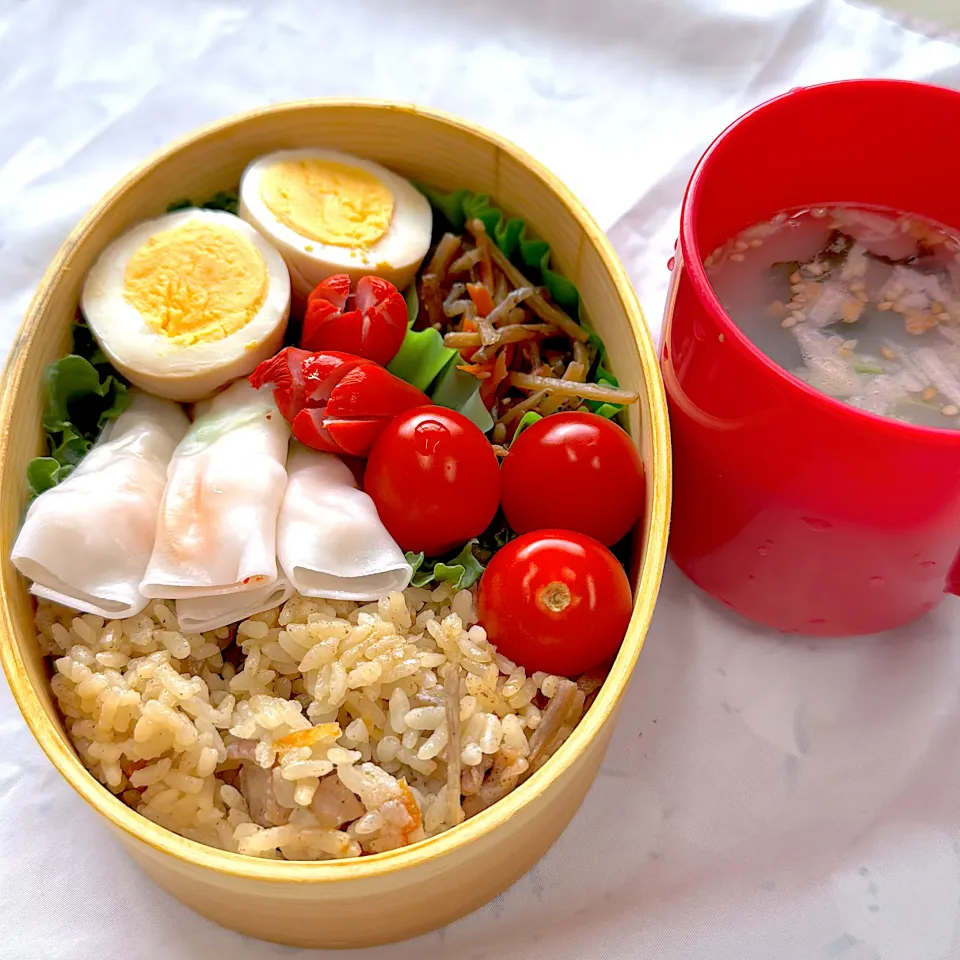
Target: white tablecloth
x: 764, y: 798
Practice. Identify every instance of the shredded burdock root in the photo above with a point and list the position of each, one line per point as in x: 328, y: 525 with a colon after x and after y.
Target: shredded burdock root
x: 546, y: 311
x: 572, y: 388
x: 527, y: 352
x: 451, y: 706
x: 483, y: 787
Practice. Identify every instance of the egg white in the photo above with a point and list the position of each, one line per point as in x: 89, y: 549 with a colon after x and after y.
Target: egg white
x: 155, y: 362
x: 396, y: 257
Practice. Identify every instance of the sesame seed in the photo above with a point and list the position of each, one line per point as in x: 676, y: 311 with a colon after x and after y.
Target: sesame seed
x: 858, y: 285
x: 756, y: 243
x: 943, y: 315
x: 818, y: 212
x: 884, y: 305
x: 788, y: 322
x: 950, y: 410
x: 737, y: 257
x: 928, y: 394
x: 936, y: 307
x: 887, y: 353
x: 799, y: 316
x: 862, y: 296
x: 795, y: 277
x: 741, y: 245
x: 797, y: 287
x: 720, y: 338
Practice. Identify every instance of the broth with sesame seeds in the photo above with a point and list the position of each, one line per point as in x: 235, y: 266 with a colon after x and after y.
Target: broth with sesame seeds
x: 862, y: 304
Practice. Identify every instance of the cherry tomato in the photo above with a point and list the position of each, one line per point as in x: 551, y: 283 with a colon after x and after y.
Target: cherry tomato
x: 555, y: 600
x: 434, y: 479
x: 577, y: 471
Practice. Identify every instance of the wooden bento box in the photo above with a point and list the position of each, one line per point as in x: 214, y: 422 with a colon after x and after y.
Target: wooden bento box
x: 417, y: 888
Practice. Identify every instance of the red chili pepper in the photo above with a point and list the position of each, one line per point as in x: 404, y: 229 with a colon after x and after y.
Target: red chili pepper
x: 373, y: 329
x: 334, y: 401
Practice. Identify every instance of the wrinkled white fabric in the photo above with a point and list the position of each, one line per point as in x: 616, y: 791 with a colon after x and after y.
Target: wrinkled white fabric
x: 86, y: 542
x: 330, y: 541
x: 217, y: 529
x: 197, y: 614
x: 763, y: 798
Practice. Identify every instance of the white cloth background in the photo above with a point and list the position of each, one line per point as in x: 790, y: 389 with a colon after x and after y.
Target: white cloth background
x: 764, y: 798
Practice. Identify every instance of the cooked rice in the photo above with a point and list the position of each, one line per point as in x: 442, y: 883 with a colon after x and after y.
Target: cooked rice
x: 313, y: 731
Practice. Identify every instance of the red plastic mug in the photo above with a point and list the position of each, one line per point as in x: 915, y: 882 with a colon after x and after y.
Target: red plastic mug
x: 793, y: 509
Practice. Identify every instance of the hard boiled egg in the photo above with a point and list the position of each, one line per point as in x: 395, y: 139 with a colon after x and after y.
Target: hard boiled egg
x: 328, y: 213
x: 187, y: 302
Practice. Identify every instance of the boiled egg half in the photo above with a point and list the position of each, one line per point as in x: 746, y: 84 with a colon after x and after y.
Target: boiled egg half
x: 188, y: 302
x: 328, y: 212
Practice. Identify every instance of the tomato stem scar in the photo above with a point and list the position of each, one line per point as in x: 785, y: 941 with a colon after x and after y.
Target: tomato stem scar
x: 555, y: 596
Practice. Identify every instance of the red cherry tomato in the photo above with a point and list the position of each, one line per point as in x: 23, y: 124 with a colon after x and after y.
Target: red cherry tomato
x: 374, y: 328
x: 556, y: 601
x: 434, y: 479
x: 577, y: 471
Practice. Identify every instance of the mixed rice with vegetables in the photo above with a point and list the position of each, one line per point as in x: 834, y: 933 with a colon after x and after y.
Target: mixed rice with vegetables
x: 319, y: 730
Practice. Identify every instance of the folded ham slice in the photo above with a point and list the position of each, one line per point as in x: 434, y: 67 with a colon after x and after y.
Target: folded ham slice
x: 218, y: 520
x: 86, y: 542
x: 199, y: 614
x: 330, y: 541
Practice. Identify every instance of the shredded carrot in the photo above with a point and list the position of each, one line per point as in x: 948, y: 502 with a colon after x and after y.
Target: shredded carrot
x: 413, y: 811
x: 500, y: 372
x: 308, y: 737
x: 480, y: 370
x: 480, y: 295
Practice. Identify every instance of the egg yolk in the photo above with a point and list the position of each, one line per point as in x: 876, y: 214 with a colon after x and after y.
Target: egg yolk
x: 196, y: 283
x: 329, y: 202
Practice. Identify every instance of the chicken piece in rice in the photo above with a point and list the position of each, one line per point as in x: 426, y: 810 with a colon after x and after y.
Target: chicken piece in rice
x: 314, y: 731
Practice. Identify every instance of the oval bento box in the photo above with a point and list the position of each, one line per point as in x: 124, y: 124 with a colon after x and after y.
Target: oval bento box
x: 393, y: 895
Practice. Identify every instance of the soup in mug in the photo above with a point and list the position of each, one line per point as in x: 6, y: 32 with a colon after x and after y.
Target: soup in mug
x: 861, y: 304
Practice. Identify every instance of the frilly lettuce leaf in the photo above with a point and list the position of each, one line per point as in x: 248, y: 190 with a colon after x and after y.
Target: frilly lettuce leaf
x: 527, y: 420
x: 460, y: 391
x: 449, y: 204
x: 78, y: 391
x: 600, y: 374
x: 83, y: 395
x: 43, y: 473
x: 226, y: 200
x: 462, y: 570
x: 422, y: 355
